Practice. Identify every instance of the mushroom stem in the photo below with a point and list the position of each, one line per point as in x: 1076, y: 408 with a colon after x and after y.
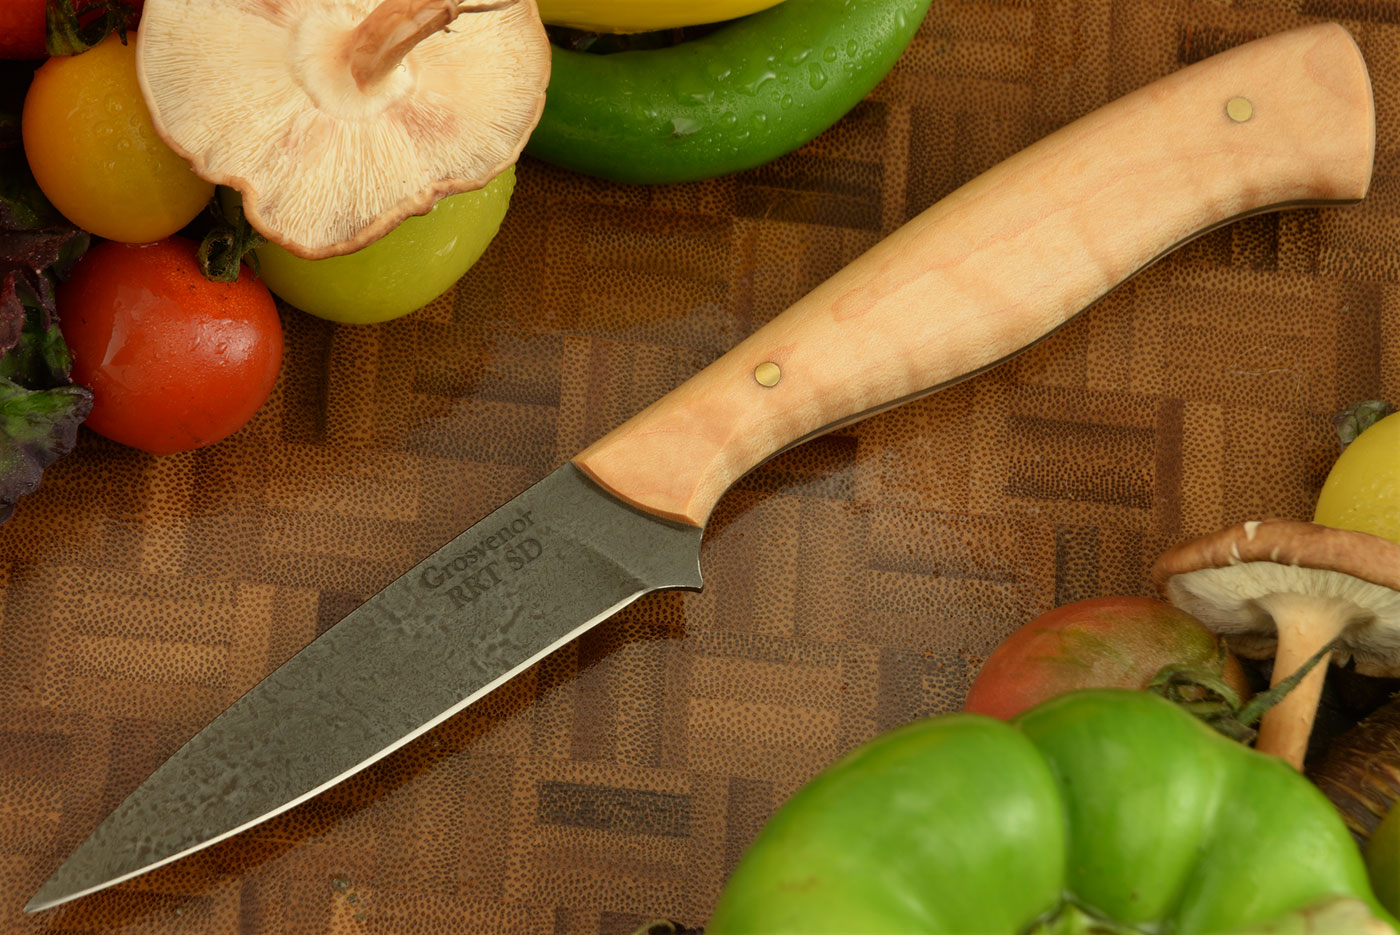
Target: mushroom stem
x: 1305, y: 625
x: 379, y: 43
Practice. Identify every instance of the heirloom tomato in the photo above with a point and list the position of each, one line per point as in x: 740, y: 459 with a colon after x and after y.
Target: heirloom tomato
x: 1105, y: 642
x: 1097, y: 811
x: 94, y: 151
x: 174, y: 361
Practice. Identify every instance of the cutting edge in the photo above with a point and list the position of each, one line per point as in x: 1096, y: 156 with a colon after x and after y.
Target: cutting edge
x: 37, y: 905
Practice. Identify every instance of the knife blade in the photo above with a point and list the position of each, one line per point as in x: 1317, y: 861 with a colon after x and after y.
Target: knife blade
x: 984, y: 273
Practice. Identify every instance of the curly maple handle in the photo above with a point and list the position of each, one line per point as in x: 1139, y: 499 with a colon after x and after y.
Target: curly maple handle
x: 1009, y: 257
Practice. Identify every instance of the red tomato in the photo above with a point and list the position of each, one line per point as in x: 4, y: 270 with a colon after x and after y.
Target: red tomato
x: 23, y: 27
x: 174, y: 361
x: 1106, y: 642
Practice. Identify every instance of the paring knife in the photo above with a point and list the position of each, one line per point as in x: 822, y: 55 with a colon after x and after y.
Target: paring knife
x: 989, y: 270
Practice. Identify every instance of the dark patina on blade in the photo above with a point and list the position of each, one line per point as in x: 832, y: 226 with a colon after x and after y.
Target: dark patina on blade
x: 548, y: 565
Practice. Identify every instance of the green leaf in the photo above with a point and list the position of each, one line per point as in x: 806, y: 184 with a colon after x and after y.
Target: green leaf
x: 37, y: 427
x: 40, y: 359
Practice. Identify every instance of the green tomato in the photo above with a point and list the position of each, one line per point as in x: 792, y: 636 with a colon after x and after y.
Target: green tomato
x: 1383, y: 860
x: 1109, y: 806
x: 1362, y: 492
x: 401, y: 272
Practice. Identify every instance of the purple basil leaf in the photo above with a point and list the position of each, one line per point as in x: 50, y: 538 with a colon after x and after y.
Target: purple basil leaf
x: 25, y: 283
x: 40, y: 407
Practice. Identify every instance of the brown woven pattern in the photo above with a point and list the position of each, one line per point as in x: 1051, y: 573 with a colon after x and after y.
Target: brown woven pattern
x: 853, y: 584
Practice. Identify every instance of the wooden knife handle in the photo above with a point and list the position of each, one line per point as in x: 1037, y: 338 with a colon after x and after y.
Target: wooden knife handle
x: 1004, y: 260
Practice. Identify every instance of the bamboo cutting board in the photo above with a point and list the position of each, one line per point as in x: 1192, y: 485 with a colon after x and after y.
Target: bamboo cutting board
x: 853, y: 584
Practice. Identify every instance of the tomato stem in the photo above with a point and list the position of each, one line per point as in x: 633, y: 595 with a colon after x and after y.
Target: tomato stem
x: 1357, y: 418
x: 1205, y: 695
x: 69, y: 33
x: 229, y: 244
x: 1072, y: 919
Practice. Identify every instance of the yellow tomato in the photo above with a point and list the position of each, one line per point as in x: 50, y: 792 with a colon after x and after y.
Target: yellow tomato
x: 95, y: 153
x: 1363, y: 490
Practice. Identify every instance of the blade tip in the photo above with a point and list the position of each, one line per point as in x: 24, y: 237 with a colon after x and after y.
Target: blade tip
x: 50, y: 896
x: 38, y: 904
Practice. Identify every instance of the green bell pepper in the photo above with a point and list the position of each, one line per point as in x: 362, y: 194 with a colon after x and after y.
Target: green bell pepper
x: 1097, y: 811
x: 756, y: 88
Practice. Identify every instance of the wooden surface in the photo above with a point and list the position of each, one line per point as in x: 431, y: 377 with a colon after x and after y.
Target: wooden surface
x: 853, y: 584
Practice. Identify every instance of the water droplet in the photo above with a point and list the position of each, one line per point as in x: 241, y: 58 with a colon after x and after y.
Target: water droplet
x: 816, y: 76
x: 729, y: 118
x: 718, y: 71
x: 851, y: 48
x: 757, y: 84
x: 829, y: 54
x: 760, y: 118
x: 786, y: 102
x: 684, y: 126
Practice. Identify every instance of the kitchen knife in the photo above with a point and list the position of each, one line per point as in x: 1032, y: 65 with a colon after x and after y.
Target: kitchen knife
x: 987, y: 271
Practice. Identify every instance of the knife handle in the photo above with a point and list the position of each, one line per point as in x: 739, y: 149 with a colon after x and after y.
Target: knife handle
x: 1006, y: 259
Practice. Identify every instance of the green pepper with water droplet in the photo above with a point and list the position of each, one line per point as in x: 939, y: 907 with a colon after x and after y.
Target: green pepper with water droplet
x: 741, y: 96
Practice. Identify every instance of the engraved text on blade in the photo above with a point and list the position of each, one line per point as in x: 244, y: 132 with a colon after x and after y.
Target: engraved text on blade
x: 485, y: 564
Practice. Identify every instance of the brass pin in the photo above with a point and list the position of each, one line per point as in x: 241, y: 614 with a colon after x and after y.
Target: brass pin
x: 768, y: 374
x: 1239, y: 109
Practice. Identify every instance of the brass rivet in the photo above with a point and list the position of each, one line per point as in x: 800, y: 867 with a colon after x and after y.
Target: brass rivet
x: 768, y: 374
x: 1239, y: 109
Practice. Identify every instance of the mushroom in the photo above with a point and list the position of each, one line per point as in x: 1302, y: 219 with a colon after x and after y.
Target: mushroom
x: 1288, y: 589
x: 338, y: 119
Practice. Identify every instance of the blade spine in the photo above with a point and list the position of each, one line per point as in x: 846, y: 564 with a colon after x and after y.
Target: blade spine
x: 455, y: 709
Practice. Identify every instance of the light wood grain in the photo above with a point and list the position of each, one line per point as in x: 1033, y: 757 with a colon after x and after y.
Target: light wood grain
x: 1009, y: 257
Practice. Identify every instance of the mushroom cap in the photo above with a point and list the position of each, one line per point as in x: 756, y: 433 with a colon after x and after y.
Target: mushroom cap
x: 258, y: 95
x: 1225, y: 578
